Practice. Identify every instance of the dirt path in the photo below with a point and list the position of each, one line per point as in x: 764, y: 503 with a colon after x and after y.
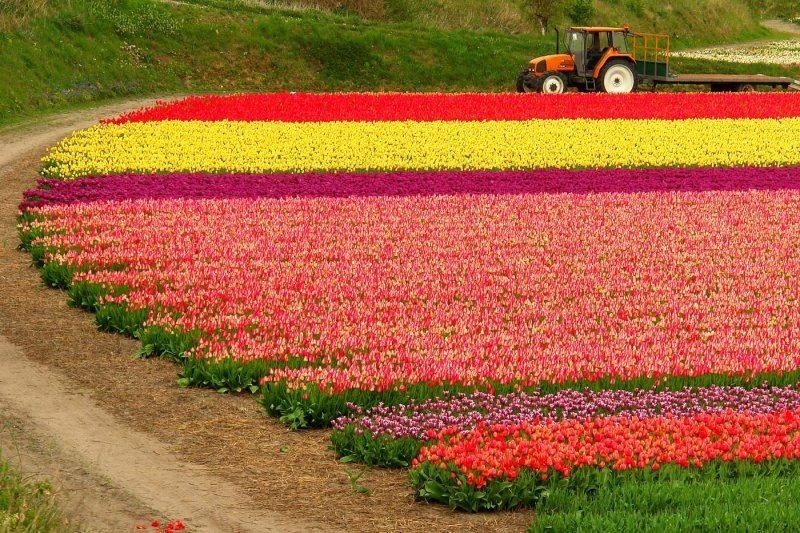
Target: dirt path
x: 126, y: 477
x: 782, y: 26
x: 773, y: 24
x: 122, y: 439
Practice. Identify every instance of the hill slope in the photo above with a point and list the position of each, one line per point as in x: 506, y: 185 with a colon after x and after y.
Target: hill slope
x: 68, y: 52
x: 692, y: 21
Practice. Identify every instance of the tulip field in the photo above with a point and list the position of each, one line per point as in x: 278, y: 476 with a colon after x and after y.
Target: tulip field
x: 776, y: 53
x: 503, y: 293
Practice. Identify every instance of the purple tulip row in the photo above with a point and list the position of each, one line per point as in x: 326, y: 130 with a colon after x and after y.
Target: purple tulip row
x: 202, y: 186
x: 464, y: 411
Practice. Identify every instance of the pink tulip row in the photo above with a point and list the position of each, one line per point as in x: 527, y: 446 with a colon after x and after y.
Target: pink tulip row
x: 381, y: 292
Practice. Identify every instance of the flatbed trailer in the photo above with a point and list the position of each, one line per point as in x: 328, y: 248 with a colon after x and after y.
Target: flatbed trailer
x: 652, y: 55
x: 724, y: 82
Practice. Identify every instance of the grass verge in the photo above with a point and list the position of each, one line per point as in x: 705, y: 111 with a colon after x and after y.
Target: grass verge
x: 694, y: 503
x: 28, y: 507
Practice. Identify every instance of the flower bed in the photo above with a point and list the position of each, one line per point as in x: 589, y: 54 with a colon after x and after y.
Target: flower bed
x: 478, y: 470
x: 258, y: 147
x: 393, y: 435
x: 302, y: 107
x: 778, y: 53
x: 504, y: 276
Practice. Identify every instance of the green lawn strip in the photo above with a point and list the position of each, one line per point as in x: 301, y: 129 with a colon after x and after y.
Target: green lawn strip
x: 589, y: 491
x: 768, y: 502
x: 28, y: 506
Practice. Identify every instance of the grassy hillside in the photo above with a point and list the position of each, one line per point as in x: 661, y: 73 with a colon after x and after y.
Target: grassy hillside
x: 692, y: 21
x: 62, y: 53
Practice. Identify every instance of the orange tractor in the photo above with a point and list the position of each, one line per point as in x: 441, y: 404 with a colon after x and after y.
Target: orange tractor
x: 616, y: 60
x: 597, y: 59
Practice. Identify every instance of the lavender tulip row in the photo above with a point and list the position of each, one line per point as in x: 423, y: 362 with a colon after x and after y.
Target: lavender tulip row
x: 203, y: 186
x: 464, y: 411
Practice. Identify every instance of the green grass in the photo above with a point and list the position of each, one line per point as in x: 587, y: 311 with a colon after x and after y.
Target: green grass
x: 768, y: 503
x: 69, y: 53
x: 94, y: 50
x: 695, y: 20
x: 27, y: 507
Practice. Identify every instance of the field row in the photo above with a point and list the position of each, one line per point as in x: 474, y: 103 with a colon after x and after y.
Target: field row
x: 303, y: 107
x: 457, y: 289
x: 267, y: 147
x: 344, y: 185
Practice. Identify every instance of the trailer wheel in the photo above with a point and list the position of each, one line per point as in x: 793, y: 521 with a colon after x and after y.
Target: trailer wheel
x: 553, y: 83
x: 746, y: 88
x: 527, y: 82
x: 617, y: 77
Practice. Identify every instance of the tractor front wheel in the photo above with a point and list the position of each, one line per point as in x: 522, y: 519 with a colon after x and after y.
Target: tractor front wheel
x: 527, y: 82
x: 617, y: 77
x: 553, y: 83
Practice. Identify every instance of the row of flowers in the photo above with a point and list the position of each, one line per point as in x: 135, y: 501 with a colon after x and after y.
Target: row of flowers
x: 779, y: 53
x: 378, y: 107
x: 266, y: 147
x: 473, y: 463
x: 342, y: 185
x: 456, y: 289
x: 426, y: 419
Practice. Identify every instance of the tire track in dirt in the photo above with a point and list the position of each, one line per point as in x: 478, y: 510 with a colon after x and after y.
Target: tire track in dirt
x: 141, y: 472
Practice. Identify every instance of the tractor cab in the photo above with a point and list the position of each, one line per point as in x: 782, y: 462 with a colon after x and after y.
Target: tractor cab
x: 588, y: 46
x: 596, y: 59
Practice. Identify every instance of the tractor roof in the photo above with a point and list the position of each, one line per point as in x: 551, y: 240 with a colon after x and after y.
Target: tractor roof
x: 594, y: 29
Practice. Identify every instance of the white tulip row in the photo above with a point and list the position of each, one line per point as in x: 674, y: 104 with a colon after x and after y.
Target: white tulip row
x: 777, y: 53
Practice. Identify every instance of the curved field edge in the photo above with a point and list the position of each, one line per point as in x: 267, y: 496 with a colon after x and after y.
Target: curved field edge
x: 309, y: 405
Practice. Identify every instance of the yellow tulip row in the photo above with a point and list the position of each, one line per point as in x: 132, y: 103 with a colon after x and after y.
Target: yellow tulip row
x: 263, y: 147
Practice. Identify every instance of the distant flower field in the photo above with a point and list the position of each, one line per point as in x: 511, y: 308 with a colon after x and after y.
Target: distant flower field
x: 778, y: 53
x: 497, y: 291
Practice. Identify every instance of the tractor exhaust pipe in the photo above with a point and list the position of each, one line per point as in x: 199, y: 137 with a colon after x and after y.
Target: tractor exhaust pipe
x: 558, y: 39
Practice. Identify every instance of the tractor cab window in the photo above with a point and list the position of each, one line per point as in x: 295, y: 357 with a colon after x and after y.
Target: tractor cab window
x: 576, y: 45
x: 575, y: 41
x: 597, y: 44
x: 619, y: 42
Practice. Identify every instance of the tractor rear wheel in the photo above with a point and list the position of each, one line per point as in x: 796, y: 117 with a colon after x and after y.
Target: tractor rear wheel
x: 527, y: 82
x: 553, y: 83
x: 617, y: 77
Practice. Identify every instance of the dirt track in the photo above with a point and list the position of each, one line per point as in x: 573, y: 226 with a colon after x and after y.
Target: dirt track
x: 126, y: 445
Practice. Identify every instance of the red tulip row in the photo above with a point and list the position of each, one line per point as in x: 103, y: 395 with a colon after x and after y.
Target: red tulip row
x: 301, y: 107
x: 618, y: 443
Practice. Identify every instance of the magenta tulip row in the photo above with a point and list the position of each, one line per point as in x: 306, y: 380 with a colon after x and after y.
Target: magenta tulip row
x: 208, y: 186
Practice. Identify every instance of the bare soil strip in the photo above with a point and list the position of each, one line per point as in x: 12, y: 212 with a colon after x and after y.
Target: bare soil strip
x: 141, y: 473
x: 223, y: 462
